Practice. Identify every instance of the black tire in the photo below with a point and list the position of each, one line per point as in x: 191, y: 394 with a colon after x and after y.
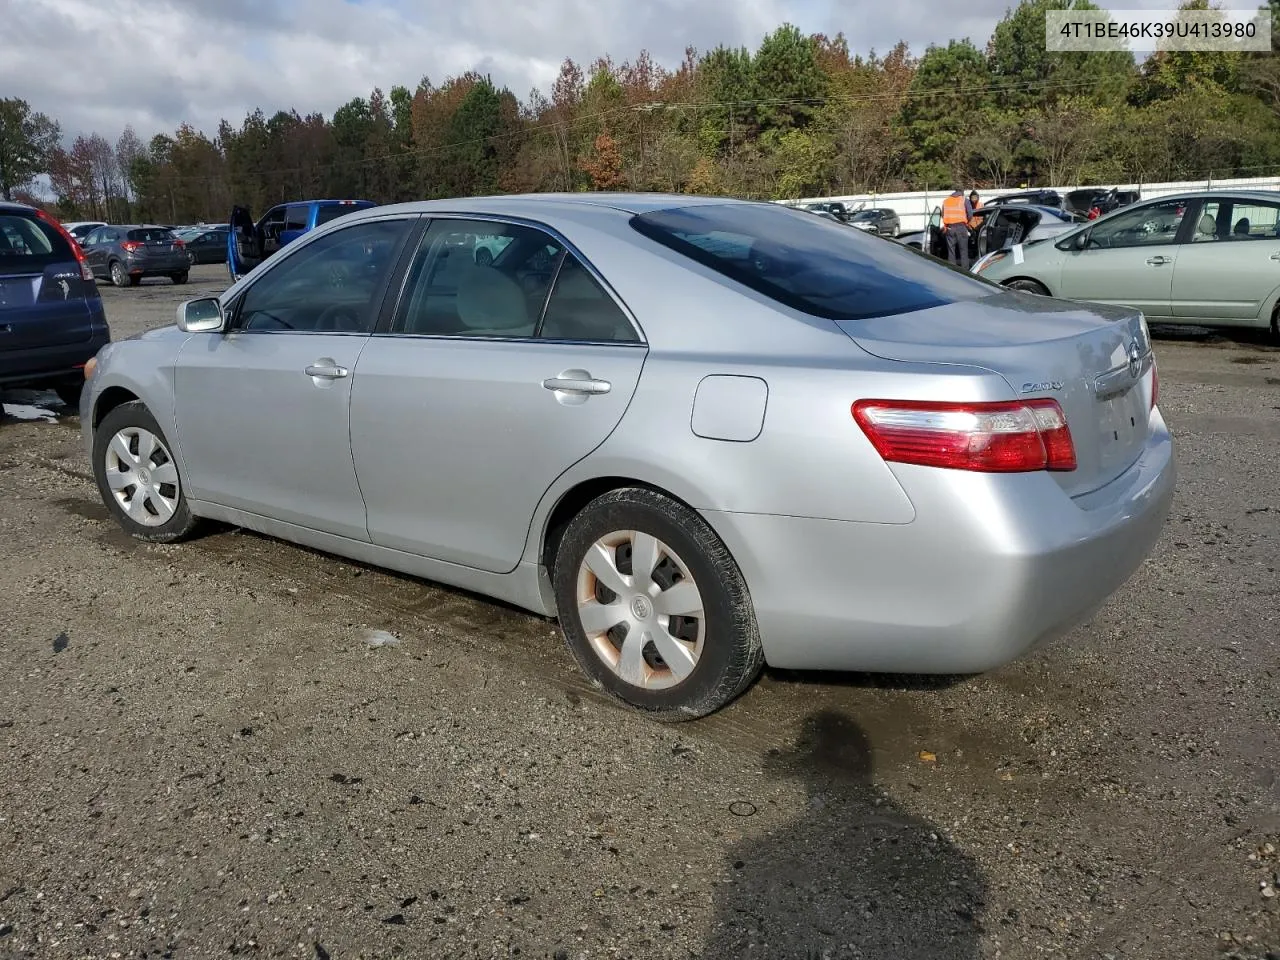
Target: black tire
x: 191, y: 258
x: 1275, y: 326
x: 135, y: 414
x: 119, y: 276
x: 1028, y: 286
x: 68, y: 392
x: 731, y: 655
x: 179, y: 277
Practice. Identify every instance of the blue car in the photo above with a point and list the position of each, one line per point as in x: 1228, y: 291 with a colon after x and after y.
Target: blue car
x: 51, y: 317
x: 249, y: 243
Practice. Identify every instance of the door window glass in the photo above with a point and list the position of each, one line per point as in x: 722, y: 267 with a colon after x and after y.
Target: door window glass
x: 331, y: 285
x: 1255, y: 220
x: 296, y: 217
x: 477, y: 278
x: 1150, y: 225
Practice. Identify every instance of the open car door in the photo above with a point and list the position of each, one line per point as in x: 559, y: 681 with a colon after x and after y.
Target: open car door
x: 244, y: 244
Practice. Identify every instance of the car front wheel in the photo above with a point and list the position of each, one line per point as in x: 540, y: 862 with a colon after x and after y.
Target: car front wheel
x: 138, y: 476
x: 653, y: 607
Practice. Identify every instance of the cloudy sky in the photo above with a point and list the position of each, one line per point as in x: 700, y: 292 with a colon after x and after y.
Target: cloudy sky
x: 96, y: 65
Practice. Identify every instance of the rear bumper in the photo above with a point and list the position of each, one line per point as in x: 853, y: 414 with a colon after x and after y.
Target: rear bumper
x: 41, y: 365
x: 992, y: 567
x: 157, y: 266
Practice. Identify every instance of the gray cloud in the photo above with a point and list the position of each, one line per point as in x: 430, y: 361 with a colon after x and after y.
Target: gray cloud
x: 96, y: 65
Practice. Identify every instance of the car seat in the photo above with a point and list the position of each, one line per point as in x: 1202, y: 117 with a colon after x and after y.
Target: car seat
x: 1206, y: 229
x: 491, y: 304
x: 1241, y: 228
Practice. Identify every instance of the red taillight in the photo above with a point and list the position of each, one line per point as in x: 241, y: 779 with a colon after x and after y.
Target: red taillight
x: 178, y: 243
x: 1155, y: 383
x: 86, y: 272
x: 1003, y: 437
x: 129, y: 246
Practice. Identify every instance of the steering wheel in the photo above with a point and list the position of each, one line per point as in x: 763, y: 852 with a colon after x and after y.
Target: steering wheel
x: 339, y: 318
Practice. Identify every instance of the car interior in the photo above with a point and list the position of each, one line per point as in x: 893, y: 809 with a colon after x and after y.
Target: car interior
x: 455, y: 292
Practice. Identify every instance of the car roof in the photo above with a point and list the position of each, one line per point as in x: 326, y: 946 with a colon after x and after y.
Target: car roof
x: 1271, y: 196
x: 13, y: 207
x: 544, y: 204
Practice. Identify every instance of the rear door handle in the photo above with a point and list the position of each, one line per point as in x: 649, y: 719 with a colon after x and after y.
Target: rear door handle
x: 1276, y: 255
x: 584, y: 384
x: 1157, y: 261
x: 326, y: 370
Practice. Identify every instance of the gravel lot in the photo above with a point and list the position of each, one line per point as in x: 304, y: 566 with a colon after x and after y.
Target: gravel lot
x: 203, y: 758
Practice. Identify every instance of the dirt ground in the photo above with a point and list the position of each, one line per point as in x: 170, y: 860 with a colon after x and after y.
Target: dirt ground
x: 202, y: 757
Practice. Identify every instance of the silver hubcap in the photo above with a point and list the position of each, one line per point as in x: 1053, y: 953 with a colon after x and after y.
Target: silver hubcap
x: 142, y: 477
x: 640, y: 609
x: 118, y: 275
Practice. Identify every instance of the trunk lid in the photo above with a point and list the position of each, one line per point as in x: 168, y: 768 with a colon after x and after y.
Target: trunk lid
x: 45, y: 309
x: 1094, y: 360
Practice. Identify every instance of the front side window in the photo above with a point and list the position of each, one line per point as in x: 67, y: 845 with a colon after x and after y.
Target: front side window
x: 1151, y: 225
x: 332, y: 285
x: 809, y: 264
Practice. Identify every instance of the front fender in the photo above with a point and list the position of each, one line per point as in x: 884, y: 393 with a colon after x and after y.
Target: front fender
x: 144, y: 367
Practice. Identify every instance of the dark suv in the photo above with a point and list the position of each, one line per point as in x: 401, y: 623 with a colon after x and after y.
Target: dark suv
x: 51, y: 317
x: 127, y: 254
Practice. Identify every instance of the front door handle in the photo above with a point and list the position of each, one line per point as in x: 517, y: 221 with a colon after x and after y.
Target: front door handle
x: 326, y: 369
x: 1157, y: 261
x: 570, y: 382
x: 1276, y: 255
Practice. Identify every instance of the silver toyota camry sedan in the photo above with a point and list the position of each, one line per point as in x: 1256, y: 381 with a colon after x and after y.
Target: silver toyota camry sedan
x: 704, y: 434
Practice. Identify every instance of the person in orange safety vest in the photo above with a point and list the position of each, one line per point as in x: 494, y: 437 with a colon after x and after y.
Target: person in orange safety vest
x: 956, y: 214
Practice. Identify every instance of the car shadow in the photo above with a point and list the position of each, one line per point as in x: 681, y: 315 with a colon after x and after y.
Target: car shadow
x: 856, y: 875
x: 903, y: 682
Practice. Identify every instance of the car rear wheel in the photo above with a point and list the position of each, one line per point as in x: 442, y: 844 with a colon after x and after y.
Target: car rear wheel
x: 191, y: 257
x: 1028, y: 286
x: 653, y: 607
x: 138, y: 477
x: 119, y: 275
x: 179, y: 277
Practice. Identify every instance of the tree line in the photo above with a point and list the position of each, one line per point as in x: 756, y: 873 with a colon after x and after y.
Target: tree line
x: 798, y: 116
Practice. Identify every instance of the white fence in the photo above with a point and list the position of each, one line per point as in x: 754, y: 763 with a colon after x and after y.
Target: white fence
x: 913, y: 208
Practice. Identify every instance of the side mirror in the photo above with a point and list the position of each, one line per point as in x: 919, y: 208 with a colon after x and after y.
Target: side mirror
x: 201, y: 316
x: 1082, y: 239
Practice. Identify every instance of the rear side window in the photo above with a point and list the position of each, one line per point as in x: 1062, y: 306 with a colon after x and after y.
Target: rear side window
x: 808, y: 263
x: 26, y: 241
x: 295, y: 217
x: 333, y: 211
x: 151, y: 235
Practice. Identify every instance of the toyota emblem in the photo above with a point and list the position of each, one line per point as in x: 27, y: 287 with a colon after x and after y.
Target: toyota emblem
x: 1135, y: 359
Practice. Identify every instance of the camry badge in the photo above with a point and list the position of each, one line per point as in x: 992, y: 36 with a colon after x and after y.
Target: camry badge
x: 1042, y: 387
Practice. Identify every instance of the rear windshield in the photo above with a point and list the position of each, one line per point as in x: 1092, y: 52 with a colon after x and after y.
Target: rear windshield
x: 809, y: 263
x: 28, y: 243
x: 151, y: 235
